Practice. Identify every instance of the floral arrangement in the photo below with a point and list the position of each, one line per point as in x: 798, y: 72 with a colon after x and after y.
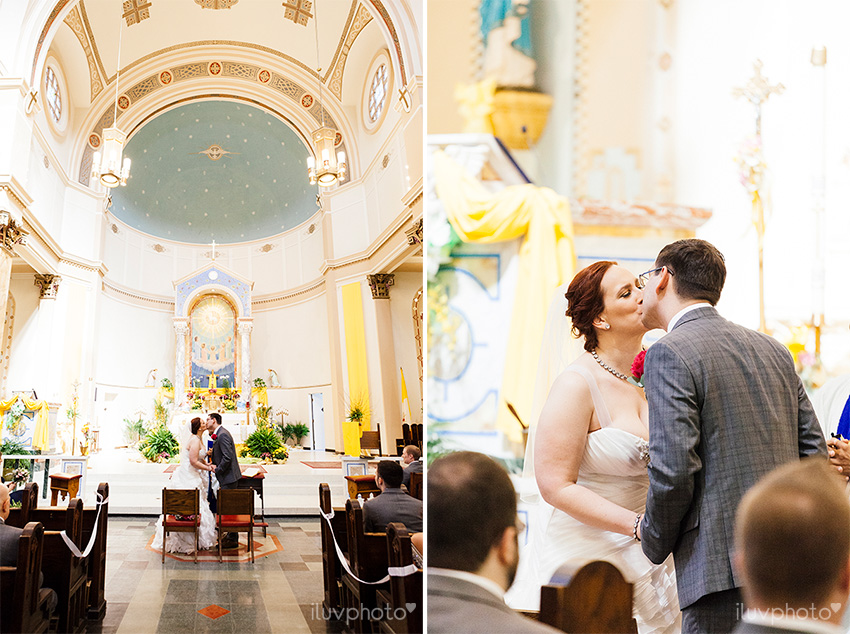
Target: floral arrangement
x: 20, y: 475
x: 637, y: 369
x: 159, y: 445
x: 167, y: 385
x: 258, y: 382
x: 229, y: 405
x: 15, y: 417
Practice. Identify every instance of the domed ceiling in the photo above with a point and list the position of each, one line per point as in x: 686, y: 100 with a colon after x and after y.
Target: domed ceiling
x: 215, y: 170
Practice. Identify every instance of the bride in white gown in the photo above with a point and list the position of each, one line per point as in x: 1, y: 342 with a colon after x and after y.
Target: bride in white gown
x: 192, y: 473
x: 589, y: 454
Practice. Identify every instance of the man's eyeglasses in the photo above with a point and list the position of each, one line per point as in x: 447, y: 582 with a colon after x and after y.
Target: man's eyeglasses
x: 643, y: 278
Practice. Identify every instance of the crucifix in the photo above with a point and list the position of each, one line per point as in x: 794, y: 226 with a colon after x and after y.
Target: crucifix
x: 213, y: 251
x: 756, y: 91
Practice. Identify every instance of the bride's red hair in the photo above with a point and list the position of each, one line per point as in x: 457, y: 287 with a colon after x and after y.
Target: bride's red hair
x: 196, y: 425
x: 585, y: 301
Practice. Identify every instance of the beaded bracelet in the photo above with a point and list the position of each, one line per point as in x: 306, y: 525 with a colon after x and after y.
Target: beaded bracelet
x: 635, y: 527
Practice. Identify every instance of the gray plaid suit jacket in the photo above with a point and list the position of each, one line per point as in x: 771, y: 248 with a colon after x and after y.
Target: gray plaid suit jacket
x: 725, y: 408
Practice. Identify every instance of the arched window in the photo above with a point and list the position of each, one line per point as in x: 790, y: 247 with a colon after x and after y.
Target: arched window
x: 376, y: 91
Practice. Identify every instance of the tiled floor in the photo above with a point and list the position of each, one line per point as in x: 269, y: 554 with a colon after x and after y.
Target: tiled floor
x: 278, y: 593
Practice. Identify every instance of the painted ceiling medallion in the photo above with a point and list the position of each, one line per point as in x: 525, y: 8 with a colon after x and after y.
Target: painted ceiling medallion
x: 94, y: 140
x: 337, y: 139
x: 215, y: 152
x: 136, y: 10
x: 123, y: 102
x: 216, y: 4
x: 214, y: 68
x: 297, y: 10
x: 307, y: 101
x: 165, y: 77
x: 264, y: 76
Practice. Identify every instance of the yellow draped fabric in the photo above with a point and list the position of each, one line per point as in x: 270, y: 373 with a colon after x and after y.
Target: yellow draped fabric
x: 260, y: 395
x: 546, y: 260
x: 41, y: 433
x: 358, y: 371
x: 164, y: 393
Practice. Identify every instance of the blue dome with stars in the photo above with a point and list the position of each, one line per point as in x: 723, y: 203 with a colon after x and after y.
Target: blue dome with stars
x: 215, y: 170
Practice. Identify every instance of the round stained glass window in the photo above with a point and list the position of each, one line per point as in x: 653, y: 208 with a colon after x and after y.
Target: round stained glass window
x: 378, y: 93
x: 53, y: 96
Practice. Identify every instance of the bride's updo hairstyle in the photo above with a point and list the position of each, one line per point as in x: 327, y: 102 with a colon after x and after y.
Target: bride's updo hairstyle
x: 585, y: 301
x: 196, y: 425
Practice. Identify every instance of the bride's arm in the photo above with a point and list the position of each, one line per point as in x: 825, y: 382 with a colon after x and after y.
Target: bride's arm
x: 194, y: 451
x: 559, y: 445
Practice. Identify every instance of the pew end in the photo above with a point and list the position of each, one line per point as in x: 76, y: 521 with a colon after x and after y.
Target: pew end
x: 24, y: 608
x: 590, y: 598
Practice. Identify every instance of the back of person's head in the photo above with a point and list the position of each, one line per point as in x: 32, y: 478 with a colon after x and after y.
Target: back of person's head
x: 196, y: 425
x: 698, y: 268
x: 413, y: 451
x: 793, y: 535
x: 585, y: 301
x: 471, y: 501
x: 216, y: 417
x: 391, y: 473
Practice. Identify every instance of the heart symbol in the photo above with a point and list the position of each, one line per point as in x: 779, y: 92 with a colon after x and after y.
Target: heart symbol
x: 412, y: 606
x: 835, y: 606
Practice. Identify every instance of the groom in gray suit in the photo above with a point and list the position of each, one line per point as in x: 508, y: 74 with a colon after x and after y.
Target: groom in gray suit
x: 725, y: 408
x: 226, y: 463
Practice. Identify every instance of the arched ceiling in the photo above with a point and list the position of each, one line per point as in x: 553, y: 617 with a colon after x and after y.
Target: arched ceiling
x: 215, y: 170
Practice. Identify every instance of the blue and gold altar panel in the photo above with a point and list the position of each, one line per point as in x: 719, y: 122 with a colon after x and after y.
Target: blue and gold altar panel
x: 214, y: 345
x: 212, y: 277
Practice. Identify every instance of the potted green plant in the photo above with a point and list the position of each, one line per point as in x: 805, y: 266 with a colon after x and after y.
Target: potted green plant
x: 299, y: 432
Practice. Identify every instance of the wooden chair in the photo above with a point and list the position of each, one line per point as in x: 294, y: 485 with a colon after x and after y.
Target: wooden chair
x: 371, y: 441
x: 63, y: 572
x: 236, y: 515
x: 406, y: 434
x: 97, y: 556
x: 23, y: 607
x: 403, y: 591
x: 416, y: 485
x: 19, y: 516
x: 367, y: 558
x: 185, y: 503
x: 591, y: 598
x: 331, y: 568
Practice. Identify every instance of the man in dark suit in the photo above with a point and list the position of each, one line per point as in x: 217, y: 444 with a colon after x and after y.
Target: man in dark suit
x: 393, y: 504
x: 412, y: 459
x: 725, y: 408
x: 227, y: 470
x: 792, y: 538
x: 473, y: 549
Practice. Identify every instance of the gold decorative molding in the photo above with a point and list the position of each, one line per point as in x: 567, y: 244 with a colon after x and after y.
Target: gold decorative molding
x: 75, y: 22
x: 361, y: 19
x: 347, y: 26
x: 135, y: 11
x: 48, y: 285
x: 380, y: 284
x: 297, y: 10
x: 268, y: 302
x: 158, y: 302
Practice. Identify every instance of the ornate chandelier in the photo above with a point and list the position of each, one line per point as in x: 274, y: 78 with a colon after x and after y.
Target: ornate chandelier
x: 107, y: 167
x: 331, y: 168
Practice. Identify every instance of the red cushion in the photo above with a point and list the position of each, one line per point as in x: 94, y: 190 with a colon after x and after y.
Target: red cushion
x: 235, y: 520
x: 170, y: 520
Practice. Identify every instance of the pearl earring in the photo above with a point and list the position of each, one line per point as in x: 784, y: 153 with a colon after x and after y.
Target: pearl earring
x: 607, y: 326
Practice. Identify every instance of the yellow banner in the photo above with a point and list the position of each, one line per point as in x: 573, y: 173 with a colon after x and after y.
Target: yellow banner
x: 358, y: 371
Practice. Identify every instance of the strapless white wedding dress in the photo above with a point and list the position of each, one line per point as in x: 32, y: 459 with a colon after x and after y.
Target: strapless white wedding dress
x: 613, y: 467
x: 188, y: 477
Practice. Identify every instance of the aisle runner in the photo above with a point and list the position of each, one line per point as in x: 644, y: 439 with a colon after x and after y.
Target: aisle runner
x: 323, y: 465
x: 263, y: 547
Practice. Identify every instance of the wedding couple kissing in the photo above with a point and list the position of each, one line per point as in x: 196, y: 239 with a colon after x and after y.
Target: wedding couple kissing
x: 648, y: 473
x: 194, y: 472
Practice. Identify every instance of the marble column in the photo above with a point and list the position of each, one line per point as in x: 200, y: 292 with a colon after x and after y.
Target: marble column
x: 245, y: 328
x: 181, y: 329
x: 385, y: 383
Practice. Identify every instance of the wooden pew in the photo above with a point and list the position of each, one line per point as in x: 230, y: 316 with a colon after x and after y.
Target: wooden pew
x: 331, y: 568
x: 403, y: 591
x: 97, y: 557
x: 367, y: 558
x: 416, y: 485
x: 19, y: 516
x: 23, y: 606
x: 591, y: 598
x: 63, y: 572
x: 96, y: 577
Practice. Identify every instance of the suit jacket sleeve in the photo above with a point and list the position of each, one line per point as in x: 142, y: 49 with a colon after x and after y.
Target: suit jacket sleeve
x: 228, y: 453
x: 674, y: 435
x: 809, y: 432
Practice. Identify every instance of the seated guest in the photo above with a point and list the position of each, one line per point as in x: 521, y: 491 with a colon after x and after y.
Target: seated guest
x: 393, y: 504
x: 412, y: 459
x: 9, y: 537
x: 473, y: 549
x: 792, y: 537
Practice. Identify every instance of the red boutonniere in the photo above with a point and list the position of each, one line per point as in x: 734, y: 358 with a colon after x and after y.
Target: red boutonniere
x: 214, y: 436
x: 637, y: 369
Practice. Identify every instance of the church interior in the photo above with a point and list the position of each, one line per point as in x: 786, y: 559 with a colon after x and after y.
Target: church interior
x: 208, y: 206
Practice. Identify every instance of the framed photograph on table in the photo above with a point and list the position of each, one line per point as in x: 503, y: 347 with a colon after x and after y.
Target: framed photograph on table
x: 355, y: 466
x: 75, y: 466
